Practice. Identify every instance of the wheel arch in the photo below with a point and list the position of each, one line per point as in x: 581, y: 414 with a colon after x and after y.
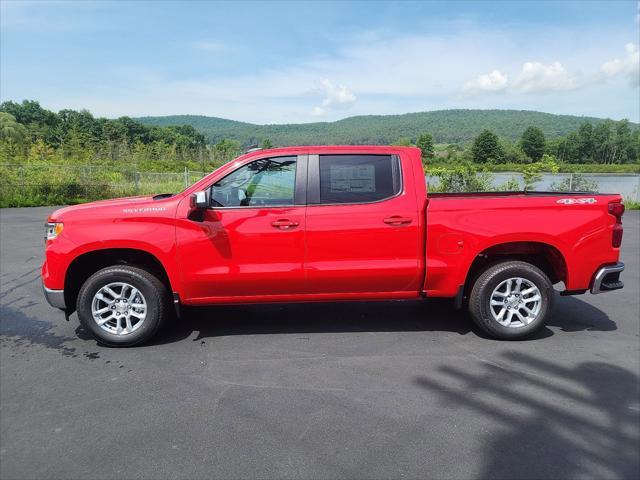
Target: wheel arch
x: 86, y: 264
x: 545, y: 256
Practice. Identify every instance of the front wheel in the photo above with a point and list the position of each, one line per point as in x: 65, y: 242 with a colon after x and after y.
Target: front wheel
x: 122, y: 305
x: 511, y: 300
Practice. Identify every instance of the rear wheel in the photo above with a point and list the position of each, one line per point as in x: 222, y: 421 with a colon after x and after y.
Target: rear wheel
x: 122, y: 305
x: 511, y: 300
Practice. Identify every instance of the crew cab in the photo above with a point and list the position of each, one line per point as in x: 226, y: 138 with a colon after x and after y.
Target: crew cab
x: 327, y: 223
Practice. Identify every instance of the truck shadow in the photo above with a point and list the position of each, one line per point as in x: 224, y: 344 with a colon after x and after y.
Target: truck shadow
x: 544, y: 420
x: 570, y: 314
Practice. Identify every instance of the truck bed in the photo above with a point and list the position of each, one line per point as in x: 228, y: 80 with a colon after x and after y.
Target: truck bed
x: 574, y: 228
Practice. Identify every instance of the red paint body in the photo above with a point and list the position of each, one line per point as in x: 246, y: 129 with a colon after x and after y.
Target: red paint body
x: 336, y: 252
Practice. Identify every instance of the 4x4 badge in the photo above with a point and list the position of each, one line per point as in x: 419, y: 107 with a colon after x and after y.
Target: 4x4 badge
x: 573, y: 201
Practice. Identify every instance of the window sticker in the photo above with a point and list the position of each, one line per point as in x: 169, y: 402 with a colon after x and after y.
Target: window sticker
x: 352, y: 178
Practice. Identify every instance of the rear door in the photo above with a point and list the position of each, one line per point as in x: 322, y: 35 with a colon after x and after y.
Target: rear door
x: 362, y: 228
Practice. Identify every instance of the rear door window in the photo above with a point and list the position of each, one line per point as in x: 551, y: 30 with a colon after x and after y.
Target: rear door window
x: 358, y: 178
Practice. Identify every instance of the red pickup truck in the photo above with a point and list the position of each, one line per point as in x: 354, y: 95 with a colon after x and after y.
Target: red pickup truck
x: 306, y: 224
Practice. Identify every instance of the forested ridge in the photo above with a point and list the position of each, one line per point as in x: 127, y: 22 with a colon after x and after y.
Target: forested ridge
x: 446, y: 126
x: 31, y: 133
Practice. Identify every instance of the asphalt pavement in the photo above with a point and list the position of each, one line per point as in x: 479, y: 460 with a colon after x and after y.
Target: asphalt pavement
x: 355, y: 390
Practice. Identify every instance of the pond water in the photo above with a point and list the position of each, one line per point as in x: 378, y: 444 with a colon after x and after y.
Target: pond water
x: 628, y: 185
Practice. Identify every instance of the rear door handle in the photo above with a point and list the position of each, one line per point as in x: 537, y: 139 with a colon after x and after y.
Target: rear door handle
x: 397, y: 220
x: 284, y: 224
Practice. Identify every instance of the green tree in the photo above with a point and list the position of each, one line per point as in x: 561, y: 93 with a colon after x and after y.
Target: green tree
x: 40, y: 123
x: 403, y: 142
x: 533, y: 143
x: 40, y: 151
x: 604, y: 148
x: 567, y: 149
x: 585, y: 143
x: 452, y: 151
x: 10, y: 130
x: 513, y: 153
x: 225, y: 150
x: 634, y: 150
x: 266, y: 144
x: 486, y: 148
x: 28, y: 112
x: 624, y: 142
x: 426, y: 146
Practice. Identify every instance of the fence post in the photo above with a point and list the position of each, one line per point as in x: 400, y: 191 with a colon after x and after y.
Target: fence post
x: 186, y: 177
x: 571, y: 182
x: 136, y: 176
x: 22, y: 192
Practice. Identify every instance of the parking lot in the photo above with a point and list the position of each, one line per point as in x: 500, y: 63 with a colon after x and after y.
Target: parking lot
x: 356, y: 390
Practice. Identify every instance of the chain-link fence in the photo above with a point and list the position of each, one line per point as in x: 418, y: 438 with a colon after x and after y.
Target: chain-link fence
x: 33, y: 184
x: 45, y: 184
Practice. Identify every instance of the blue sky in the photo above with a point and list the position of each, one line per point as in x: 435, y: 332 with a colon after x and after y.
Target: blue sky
x: 289, y: 62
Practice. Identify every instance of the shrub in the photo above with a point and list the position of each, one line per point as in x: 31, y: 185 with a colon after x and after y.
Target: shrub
x: 463, y: 177
x: 575, y: 183
x: 532, y: 172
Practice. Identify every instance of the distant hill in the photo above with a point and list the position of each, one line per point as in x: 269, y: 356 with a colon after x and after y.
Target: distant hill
x: 447, y: 126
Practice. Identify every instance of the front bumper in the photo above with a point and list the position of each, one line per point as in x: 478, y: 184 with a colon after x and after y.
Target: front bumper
x: 608, y: 279
x: 55, y: 298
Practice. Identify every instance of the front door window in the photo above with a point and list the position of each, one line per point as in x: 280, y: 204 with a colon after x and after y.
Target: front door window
x: 265, y: 182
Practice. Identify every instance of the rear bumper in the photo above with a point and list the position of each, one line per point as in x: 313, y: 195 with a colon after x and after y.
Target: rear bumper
x: 608, y: 279
x: 55, y: 298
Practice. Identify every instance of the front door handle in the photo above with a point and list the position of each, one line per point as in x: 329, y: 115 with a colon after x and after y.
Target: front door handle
x: 284, y: 224
x: 397, y: 220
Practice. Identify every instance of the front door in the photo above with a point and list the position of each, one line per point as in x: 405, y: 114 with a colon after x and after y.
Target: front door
x: 250, y: 242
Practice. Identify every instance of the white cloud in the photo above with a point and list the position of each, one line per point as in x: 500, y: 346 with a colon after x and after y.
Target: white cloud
x: 210, y: 46
x: 628, y: 67
x: 335, y: 97
x: 538, y: 77
x: 495, y: 81
x: 534, y: 77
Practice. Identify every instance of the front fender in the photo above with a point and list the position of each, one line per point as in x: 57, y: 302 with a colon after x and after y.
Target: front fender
x: 156, y: 238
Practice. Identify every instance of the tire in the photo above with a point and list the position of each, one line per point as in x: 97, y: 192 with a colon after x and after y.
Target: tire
x: 495, y: 282
x: 134, y: 324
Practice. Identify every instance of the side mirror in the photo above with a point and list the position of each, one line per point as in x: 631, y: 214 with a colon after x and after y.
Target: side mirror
x: 200, y: 199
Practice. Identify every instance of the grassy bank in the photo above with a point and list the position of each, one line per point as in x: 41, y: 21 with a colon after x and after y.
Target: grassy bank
x: 39, y: 184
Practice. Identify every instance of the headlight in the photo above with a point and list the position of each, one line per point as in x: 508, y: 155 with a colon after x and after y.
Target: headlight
x: 52, y: 230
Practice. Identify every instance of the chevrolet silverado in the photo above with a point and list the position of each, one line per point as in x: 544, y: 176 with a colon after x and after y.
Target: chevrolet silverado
x: 329, y: 223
